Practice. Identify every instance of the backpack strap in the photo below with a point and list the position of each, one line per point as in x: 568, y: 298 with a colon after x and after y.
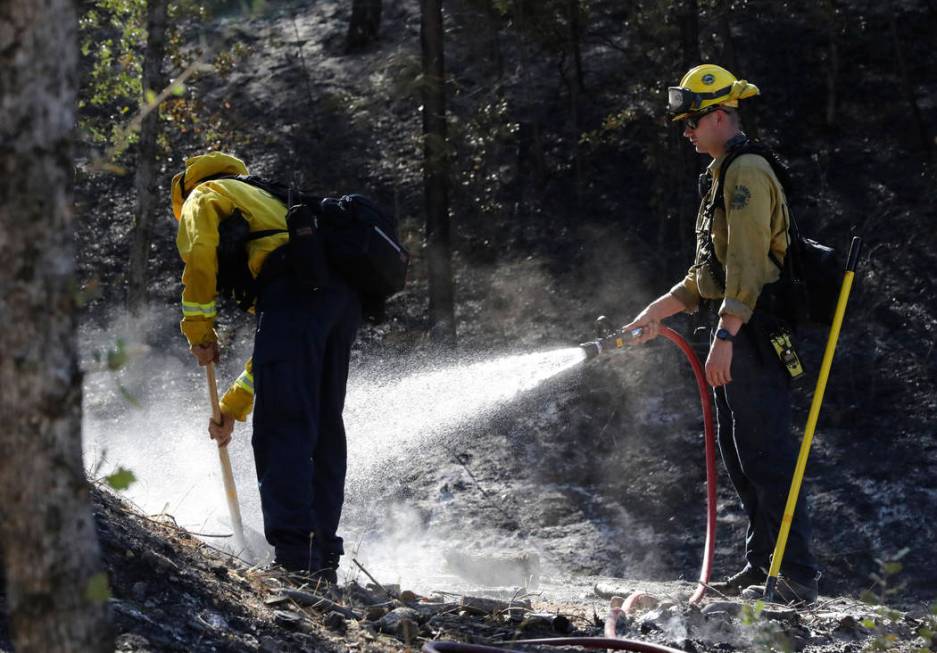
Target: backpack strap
x: 265, y: 233
x: 257, y: 183
x: 284, y: 193
x: 781, y: 171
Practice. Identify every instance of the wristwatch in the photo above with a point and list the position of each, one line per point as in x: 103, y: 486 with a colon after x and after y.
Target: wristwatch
x: 723, y: 334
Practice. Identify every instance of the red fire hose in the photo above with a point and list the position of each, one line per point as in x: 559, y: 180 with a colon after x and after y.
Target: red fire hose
x: 708, y: 552
x: 585, y: 642
x: 710, y: 548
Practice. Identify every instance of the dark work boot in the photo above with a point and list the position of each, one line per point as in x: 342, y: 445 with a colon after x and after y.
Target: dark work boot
x: 733, y: 585
x: 329, y: 567
x: 787, y: 590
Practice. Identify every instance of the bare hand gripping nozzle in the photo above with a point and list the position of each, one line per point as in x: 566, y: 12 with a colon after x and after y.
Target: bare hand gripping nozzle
x: 608, y: 339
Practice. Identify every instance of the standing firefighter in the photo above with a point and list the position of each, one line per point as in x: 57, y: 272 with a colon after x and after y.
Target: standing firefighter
x: 296, y: 378
x: 742, y: 231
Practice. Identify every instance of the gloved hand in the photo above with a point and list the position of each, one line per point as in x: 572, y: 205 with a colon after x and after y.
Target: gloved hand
x: 206, y: 353
x: 221, y: 433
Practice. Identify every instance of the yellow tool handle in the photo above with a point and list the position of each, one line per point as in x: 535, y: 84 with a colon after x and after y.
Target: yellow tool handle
x: 812, y: 417
x: 230, y: 489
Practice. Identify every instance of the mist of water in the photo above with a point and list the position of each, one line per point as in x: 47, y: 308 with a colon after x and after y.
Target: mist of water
x: 162, y: 435
x: 385, y: 413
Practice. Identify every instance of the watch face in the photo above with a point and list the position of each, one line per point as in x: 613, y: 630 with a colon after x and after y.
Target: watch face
x: 723, y: 334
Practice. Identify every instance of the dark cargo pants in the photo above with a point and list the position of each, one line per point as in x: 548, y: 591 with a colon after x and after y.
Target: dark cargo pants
x: 301, y: 351
x: 754, y: 417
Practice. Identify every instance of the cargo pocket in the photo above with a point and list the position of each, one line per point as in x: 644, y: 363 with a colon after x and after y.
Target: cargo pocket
x: 279, y: 385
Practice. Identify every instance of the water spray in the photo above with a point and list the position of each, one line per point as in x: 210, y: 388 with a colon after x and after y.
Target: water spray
x: 609, y: 340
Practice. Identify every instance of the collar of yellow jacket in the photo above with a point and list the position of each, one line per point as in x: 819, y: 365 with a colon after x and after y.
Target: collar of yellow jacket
x: 198, y: 168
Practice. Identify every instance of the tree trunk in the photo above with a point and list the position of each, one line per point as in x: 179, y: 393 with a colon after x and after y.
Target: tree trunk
x: 436, y: 174
x: 494, y: 46
x: 575, y: 41
x: 907, y: 86
x: 688, y: 19
x: 832, y: 68
x: 145, y: 181
x: 729, y: 58
x: 365, y: 25
x: 47, y: 534
x: 685, y: 193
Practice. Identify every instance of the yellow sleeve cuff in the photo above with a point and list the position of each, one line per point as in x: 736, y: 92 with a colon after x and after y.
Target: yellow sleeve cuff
x: 237, y: 402
x: 239, y: 399
x: 198, y: 331
x: 735, y: 307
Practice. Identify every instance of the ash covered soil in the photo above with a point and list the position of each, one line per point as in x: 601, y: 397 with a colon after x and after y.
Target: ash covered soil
x: 594, y: 479
x: 173, y: 592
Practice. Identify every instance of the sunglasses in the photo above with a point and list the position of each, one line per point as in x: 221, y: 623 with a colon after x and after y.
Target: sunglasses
x: 693, y: 121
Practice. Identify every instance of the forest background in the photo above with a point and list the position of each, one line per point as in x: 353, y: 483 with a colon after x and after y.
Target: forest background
x: 553, y: 190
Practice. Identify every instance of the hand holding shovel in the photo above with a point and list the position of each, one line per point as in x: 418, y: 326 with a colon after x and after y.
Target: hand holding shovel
x: 222, y: 434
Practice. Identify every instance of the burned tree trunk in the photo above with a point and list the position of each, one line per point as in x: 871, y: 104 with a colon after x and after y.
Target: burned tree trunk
x: 574, y: 19
x: 907, y: 86
x: 728, y: 58
x: 365, y: 25
x: 145, y: 177
x: 55, y: 586
x: 436, y: 174
x: 687, y: 18
x: 832, y: 67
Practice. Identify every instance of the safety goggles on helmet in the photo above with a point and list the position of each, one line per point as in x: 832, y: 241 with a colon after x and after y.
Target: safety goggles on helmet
x: 683, y: 100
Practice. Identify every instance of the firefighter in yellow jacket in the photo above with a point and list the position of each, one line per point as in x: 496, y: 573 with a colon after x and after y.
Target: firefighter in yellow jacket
x: 295, y: 381
x: 742, y: 237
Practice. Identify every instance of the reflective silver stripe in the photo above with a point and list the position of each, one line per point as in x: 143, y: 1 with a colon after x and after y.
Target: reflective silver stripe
x: 387, y: 238
x: 192, y: 309
x: 245, y: 382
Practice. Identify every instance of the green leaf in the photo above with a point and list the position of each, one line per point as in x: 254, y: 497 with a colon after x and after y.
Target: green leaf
x: 868, y: 623
x: 128, y: 396
x: 178, y: 90
x: 117, y: 357
x: 98, y: 589
x: 892, y: 568
x: 121, y: 479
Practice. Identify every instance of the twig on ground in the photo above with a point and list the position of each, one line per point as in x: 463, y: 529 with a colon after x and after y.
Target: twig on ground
x: 484, y: 492
x: 373, y: 579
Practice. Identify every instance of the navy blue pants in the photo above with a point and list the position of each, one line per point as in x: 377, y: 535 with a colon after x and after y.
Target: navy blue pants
x: 760, y: 453
x: 301, y: 350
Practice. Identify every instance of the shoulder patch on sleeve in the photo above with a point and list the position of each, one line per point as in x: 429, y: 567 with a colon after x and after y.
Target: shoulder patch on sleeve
x: 740, y: 197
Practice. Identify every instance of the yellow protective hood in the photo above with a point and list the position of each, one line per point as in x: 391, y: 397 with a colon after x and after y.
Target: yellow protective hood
x: 198, y: 168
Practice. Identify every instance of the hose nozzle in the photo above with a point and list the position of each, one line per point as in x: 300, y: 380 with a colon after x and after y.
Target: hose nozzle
x: 612, y: 341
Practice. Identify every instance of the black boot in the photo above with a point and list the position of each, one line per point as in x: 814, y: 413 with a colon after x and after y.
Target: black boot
x: 733, y: 585
x: 329, y: 569
x: 787, y: 590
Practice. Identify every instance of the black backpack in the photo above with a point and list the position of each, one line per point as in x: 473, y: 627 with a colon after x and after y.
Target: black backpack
x: 350, y: 236
x: 808, y: 289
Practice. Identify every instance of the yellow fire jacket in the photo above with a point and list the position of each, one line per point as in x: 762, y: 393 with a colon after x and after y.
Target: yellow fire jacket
x: 200, y: 208
x: 755, y: 222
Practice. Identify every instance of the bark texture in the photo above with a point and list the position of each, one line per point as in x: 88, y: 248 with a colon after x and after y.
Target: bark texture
x: 436, y: 174
x: 47, y: 534
x: 145, y: 181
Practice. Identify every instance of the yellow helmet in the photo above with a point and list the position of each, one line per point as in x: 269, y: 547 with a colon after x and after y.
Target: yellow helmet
x: 199, y: 168
x: 707, y: 86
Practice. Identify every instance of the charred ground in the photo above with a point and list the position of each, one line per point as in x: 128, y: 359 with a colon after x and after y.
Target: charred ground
x: 601, y: 472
